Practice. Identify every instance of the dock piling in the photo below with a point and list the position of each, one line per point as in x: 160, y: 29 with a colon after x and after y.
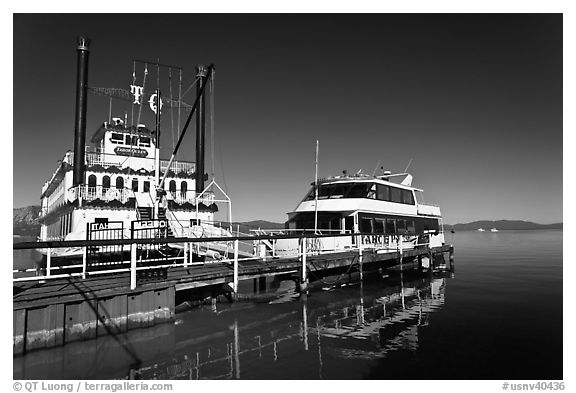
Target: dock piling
x: 133, y: 266
x: 187, y: 252
x: 400, y: 249
x: 84, y: 257
x: 48, y: 261
x: 236, y: 266
x: 304, y: 283
x: 360, y: 258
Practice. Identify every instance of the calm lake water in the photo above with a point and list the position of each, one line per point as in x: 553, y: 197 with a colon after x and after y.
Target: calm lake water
x: 498, y: 317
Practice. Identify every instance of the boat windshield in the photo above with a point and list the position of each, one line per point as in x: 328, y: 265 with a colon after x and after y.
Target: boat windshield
x: 380, y: 192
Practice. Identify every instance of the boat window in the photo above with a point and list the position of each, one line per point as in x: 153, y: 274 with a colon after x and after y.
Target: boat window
x: 116, y: 138
x: 172, y: 186
x: 183, y: 189
x: 407, y: 197
x: 410, y: 226
x: 401, y: 226
x: 92, y: 181
x: 134, y: 140
x: 366, y: 225
x: 119, y: 182
x: 358, y: 190
x: 349, y: 224
x: 379, y: 225
x: 338, y: 191
x: 146, y: 186
x: 144, y: 141
x: 324, y: 192
x: 135, y: 185
x: 106, y: 182
x: 382, y: 192
x: 396, y: 195
x: 390, y: 226
x: 335, y: 223
x: 427, y: 224
x: 419, y: 196
x: 305, y: 221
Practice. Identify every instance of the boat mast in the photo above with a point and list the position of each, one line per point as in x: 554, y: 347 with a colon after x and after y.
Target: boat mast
x: 81, y: 99
x: 201, y: 74
x: 316, y: 192
x: 158, y: 108
x: 157, y: 150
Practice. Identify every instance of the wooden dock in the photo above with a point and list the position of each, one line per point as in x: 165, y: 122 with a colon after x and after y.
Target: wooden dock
x: 52, y: 310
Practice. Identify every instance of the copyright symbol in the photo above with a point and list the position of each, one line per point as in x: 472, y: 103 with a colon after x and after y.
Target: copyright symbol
x: 17, y: 386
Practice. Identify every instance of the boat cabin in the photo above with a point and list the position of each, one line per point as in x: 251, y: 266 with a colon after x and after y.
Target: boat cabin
x: 364, y: 204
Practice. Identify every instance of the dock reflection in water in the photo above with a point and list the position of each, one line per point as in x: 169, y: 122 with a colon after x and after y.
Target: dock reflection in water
x: 334, y: 334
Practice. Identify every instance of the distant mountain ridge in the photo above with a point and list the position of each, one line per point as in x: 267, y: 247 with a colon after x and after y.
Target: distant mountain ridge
x: 246, y: 227
x: 25, y: 221
x: 502, y: 225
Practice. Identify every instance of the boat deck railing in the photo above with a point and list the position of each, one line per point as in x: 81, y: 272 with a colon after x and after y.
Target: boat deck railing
x: 106, y: 194
x: 429, y: 209
x: 266, y: 248
x: 106, y: 160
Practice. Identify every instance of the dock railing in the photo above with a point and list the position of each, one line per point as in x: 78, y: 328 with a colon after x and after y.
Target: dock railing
x: 133, y: 260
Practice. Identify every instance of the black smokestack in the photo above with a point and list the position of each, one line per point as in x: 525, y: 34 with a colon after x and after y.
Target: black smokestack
x: 200, y: 129
x: 81, y: 98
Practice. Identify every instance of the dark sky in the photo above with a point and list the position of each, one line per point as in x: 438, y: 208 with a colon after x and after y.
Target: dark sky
x: 475, y: 100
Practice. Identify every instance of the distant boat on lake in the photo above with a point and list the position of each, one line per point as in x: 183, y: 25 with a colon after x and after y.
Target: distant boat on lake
x: 481, y: 230
x: 493, y: 230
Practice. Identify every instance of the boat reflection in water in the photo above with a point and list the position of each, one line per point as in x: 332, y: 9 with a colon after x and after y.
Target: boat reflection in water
x: 334, y: 334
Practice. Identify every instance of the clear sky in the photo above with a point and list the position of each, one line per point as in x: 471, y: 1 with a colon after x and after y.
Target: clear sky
x: 475, y: 100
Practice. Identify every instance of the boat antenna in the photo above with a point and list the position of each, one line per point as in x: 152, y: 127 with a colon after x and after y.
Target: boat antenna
x: 375, y: 169
x: 316, y: 192
x: 408, y: 166
x: 179, y: 100
x: 171, y: 111
x: 133, y: 83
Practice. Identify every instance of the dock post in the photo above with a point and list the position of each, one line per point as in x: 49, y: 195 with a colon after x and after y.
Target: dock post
x: 236, y: 266
x: 400, y: 246
x: 191, y: 254
x: 304, y: 282
x: 305, y: 325
x: 431, y: 263
x: 187, y: 252
x: 236, y: 349
x: 132, y: 266
x: 48, y: 262
x: 84, y: 257
x: 360, y: 258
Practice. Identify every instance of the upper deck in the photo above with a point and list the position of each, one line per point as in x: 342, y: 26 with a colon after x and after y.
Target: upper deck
x: 368, y: 194
x: 120, y: 149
